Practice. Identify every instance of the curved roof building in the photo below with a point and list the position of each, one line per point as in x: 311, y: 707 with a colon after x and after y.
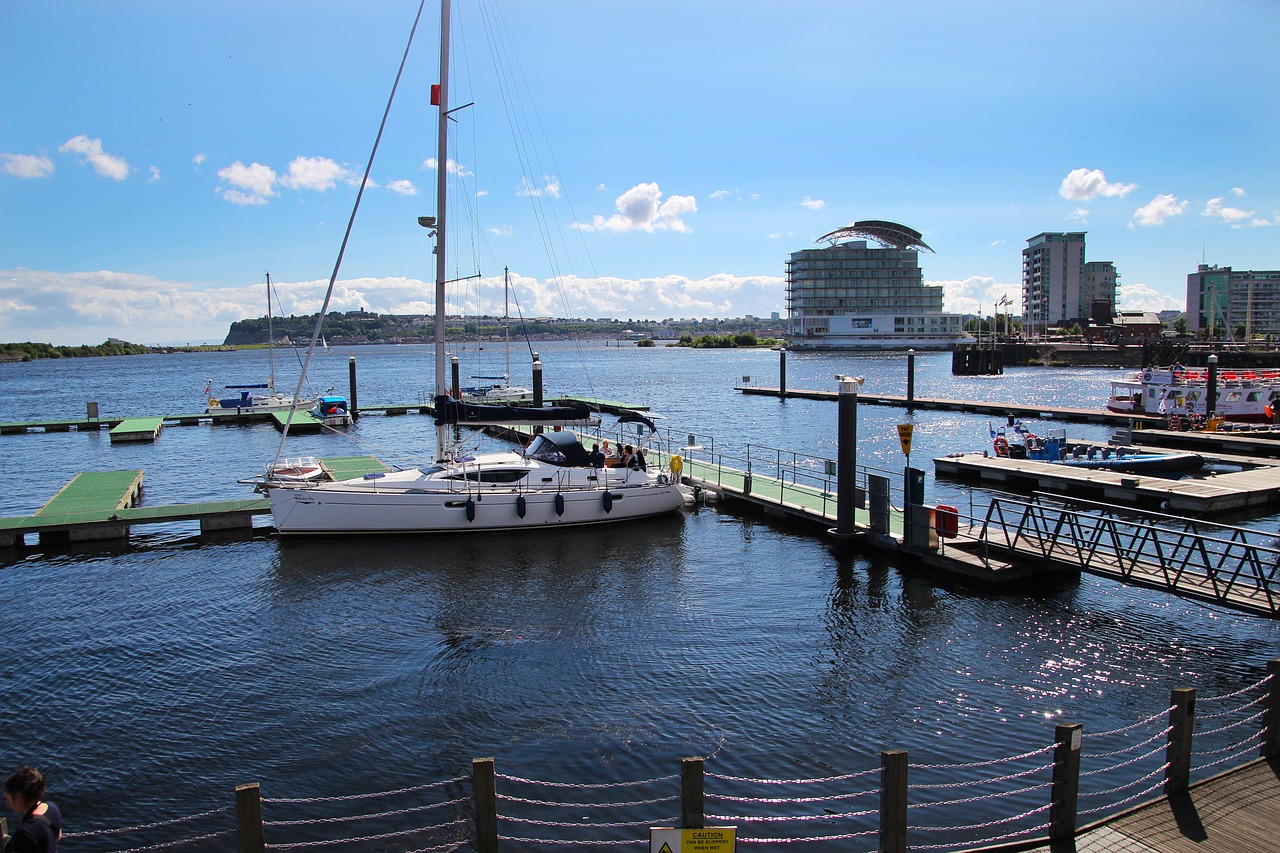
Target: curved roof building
x: 848, y: 295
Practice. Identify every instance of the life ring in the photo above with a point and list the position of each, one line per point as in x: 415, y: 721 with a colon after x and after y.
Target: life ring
x: 1002, y: 446
x: 213, y: 403
x: 676, y: 464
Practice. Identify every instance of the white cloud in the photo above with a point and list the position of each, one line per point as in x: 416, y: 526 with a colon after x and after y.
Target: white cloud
x: 641, y: 209
x: 252, y: 184
x: 199, y: 159
x: 90, y: 151
x: 1079, y: 215
x: 316, y: 173
x: 27, y: 165
x: 1088, y: 184
x: 1159, y: 209
x: 995, y: 243
x: 979, y: 293
x: 1263, y: 223
x: 455, y: 168
x: 550, y: 187
x: 1142, y: 297
x: 718, y: 194
x: 402, y: 187
x: 812, y: 203
x: 1216, y: 209
x: 155, y: 175
x: 502, y: 231
x: 1238, y: 191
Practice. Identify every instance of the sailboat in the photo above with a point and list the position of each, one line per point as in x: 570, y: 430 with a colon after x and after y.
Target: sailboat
x: 262, y: 396
x: 506, y: 392
x: 553, y: 482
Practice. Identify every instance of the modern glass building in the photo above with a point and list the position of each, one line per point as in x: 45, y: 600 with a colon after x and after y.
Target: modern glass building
x: 849, y: 295
x: 1221, y: 300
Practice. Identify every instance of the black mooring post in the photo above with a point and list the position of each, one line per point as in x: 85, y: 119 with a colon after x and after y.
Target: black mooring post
x: 911, y: 377
x: 351, y: 383
x: 782, y: 373
x: 537, y: 388
x: 847, y: 454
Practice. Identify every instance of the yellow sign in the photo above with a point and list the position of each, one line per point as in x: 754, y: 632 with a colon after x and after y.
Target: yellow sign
x: 709, y: 839
x: 904, y: 435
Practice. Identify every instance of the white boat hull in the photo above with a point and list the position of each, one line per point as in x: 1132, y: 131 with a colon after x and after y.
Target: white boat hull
x: 330, y: 509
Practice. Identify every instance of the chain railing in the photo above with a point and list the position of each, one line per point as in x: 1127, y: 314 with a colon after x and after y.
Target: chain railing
x: 1045, y: 792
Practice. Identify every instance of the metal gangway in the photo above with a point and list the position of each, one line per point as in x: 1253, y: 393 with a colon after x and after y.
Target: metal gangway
x: 1237, y: 567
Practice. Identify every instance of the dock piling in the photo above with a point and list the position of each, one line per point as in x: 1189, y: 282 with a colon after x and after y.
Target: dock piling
x: 692, y: 790
x: 485, y: 791
x: 782, y: 374
x: 911, y: 379
x: 1065, y: 787
x: 1182, y: 721
x: 893, y: 801
x: 249, y: 818
x: 537, y: 388
x: 351, y: 382
x: 846, y: 453
x: 1211, y: 388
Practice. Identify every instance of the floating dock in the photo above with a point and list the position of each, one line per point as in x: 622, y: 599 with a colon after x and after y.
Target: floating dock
x: 1001, y: 410
x: 1212, y: 495
x: 137, y: 429
x: 102, y: 505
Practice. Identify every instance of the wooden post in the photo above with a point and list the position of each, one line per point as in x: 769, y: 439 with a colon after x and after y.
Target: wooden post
x: 1182, y: 720
x: 484, y: 791
x: 1064, y: 792
x: 351, y: 384
x: 893, y: 801
x: 691, y: 794
x: 1271, y: 713
x: 249, y: 818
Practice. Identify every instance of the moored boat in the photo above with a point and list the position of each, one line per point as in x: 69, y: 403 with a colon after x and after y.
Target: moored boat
x: 1242, y: 395
x: 333, y: 410
x: 552, y: 482
x: 1018, y: 442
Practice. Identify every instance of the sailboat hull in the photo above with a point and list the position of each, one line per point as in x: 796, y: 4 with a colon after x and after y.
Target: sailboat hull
x: 332, y: 510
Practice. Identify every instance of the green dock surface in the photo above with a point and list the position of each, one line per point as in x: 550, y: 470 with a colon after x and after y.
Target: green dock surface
x: 137, y: 429
x: 95, y: 491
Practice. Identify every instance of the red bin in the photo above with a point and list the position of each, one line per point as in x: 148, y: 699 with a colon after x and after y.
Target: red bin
x: 946, y: 521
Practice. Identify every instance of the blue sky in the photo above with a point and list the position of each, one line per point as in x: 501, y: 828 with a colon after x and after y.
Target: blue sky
x: 157, y: 158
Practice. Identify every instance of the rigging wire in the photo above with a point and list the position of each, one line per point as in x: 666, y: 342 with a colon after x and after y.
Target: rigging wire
x: 346, y: 236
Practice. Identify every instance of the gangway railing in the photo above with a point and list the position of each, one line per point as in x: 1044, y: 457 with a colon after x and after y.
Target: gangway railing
x: 1225, y: 564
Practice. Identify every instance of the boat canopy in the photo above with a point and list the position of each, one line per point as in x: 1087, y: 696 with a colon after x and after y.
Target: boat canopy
x: 558, y: 448
x: 451, y: 411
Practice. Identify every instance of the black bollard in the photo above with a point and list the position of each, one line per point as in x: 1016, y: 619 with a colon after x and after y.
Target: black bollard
x: 457, y: 386
x: 537, y: 388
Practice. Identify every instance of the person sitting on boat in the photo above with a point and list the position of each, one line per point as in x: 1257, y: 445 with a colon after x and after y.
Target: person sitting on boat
x: 595, y: 458
x: 624, y: 458
x: 637, y: 460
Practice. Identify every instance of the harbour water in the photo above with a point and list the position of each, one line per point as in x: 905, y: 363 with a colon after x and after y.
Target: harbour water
x: 149, y: 679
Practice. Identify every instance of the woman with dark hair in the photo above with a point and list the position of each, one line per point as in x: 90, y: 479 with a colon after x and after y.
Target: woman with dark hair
x: 41, y: 824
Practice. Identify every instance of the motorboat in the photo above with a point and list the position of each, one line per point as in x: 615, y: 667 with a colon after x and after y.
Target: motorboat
x: 1242, y: 395
x: 1016, y: 441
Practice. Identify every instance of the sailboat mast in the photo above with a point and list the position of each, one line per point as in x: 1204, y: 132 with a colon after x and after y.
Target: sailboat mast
x: 506, y: 319
x: 442, y: 184
x: 271, y: 350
